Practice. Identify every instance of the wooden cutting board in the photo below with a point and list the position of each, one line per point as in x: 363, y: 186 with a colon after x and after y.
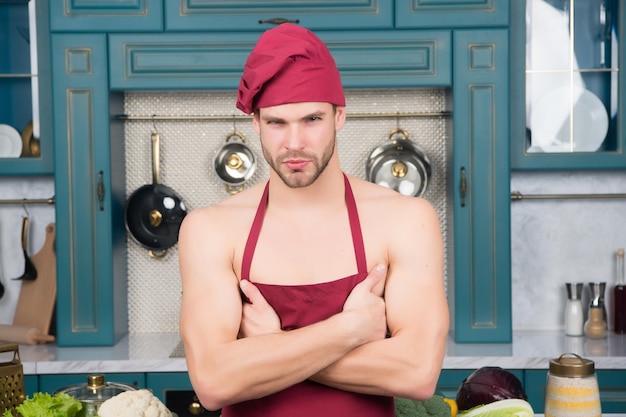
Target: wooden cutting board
x: 35, y: 304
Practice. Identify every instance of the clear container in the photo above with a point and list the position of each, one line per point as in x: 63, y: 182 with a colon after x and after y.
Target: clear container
x: 94, y: 393
x: 572, y: 388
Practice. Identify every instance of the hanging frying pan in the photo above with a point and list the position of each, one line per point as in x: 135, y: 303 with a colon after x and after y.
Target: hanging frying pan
x: 154, y: 212
x: 399, y: 164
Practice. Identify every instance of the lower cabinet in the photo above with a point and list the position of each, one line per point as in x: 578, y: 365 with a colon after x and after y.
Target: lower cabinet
x: 176, y: 392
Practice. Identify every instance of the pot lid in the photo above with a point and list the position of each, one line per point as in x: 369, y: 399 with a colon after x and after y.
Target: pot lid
x: 96, y: 389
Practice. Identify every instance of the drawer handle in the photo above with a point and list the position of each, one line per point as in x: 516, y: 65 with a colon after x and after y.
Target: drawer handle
x: 100, y: 191
x: 463, y: 186
x: 278, y: 21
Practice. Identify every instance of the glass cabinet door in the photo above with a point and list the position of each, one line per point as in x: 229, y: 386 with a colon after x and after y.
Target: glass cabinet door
x: 21, y: 147
x: 572, y: 62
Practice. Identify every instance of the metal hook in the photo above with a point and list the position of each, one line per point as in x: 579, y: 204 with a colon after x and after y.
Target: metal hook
x: 234, y: 123
x: 397, y: 120
x: 154, y: 123
x: 25, y: 211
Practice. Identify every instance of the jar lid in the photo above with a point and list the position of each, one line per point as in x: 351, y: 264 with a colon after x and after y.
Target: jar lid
x: 571, y: 365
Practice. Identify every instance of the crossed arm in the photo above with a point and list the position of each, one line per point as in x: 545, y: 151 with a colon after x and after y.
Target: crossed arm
x: 238, y: 352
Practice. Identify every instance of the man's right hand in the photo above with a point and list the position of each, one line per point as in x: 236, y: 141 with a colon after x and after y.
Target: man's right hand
x: 366, y: 301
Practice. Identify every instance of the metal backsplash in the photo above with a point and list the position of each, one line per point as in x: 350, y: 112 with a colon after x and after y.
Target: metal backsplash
x: 189, y: 146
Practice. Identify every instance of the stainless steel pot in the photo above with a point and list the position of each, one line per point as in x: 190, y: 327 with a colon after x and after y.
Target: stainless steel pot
x: 92, y: 394
x: 235, y: 163
x: 399, y: 164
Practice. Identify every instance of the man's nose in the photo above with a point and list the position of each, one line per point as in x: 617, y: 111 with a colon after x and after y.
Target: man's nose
x: 295, y: 138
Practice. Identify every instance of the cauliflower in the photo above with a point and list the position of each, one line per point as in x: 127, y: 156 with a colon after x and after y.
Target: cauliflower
x: 138, y: 403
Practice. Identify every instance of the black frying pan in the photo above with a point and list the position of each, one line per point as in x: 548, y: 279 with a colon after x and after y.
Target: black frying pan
x: 154, y: 212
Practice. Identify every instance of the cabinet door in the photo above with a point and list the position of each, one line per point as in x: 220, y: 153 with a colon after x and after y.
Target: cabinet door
x: 451, y: 13
x: 89, y: 184
x: 481, y: 202
x: 26, y: 146
x: 212, y: 61
x: 106, y: 15
x: 567, y: 100
x: 260, y: 15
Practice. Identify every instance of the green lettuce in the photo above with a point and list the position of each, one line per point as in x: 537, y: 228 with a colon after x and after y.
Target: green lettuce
x: 46, y: 405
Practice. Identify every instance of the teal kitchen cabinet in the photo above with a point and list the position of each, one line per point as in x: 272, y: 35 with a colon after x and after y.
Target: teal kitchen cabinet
x: 31, y: 384
x: 612, y: 385
x: 260, y: 15
x: 89, y: 183
x: 106, y: 15
x: 383, y: 59
x: 481, y: 293
x: 540, y: 140
x: 162, y: 383
x: 25, y: 88
x: 51, y: 382
x: 421, y: 14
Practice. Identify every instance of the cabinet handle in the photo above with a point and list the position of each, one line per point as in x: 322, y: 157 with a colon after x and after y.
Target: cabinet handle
x: 463, y: 186
x: 278, y: 21
x: 100, y: 191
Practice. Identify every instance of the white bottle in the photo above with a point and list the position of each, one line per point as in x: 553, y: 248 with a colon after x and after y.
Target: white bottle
x: 574, y: 312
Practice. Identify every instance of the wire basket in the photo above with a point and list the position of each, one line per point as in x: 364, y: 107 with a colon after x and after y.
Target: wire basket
x: 11, y: 379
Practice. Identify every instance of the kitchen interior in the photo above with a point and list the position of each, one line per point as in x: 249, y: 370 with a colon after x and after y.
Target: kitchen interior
x: 566, y: 224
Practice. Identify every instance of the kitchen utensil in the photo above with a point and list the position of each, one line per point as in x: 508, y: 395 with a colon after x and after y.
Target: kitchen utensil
x: 572, y: 388
x: 11, y: 379
x: 1, y: 284
x: 619, y: 294
x: 94, y: 393
x: 550, y: 121
x: 23, y: 335
x: 35, y: 303
x: 234, y: 163
x: 10, y: 142
x: 595, y: 326
x: 399, y: 164
x: 154, y: 212
x: 30, y: 271
x: 30, y: 144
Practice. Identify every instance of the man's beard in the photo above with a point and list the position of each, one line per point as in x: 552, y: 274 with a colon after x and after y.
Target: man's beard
x: 297, y: 178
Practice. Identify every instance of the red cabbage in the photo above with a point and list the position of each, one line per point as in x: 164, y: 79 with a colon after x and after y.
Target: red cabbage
x: 486, y: 385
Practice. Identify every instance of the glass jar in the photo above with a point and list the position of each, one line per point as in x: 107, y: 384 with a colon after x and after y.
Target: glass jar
x: 572, y: 388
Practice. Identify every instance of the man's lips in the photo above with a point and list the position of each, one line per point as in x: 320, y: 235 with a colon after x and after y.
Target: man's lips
x: 295, y: 164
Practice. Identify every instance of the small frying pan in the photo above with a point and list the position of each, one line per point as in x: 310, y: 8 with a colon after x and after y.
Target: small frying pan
x: 154, y: 212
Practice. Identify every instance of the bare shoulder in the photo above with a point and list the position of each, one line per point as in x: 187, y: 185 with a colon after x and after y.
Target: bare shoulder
x: 389, y: 206
x: 224, y: 218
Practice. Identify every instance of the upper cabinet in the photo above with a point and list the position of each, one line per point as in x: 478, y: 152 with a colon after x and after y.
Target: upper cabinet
x: 423, y: 14
x: 25, y: 131
x: 571, y: 88
x: 106, y: 15
x: 259, y: 15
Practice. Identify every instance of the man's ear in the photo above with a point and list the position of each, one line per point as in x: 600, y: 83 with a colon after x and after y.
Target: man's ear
x: 256, y: 123
x: 340, y: 117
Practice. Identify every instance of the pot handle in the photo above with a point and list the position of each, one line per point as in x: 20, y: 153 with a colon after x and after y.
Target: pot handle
x: 157, y: 254
x: 239, y: 135
x: 398, y: 131
x: 156, y: 139
x: 233, y: 190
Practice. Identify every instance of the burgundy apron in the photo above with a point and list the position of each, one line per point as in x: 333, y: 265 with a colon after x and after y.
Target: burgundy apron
x: 301, y: 305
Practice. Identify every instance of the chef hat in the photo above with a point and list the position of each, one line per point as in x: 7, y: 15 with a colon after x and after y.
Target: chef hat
x: 289, y: 64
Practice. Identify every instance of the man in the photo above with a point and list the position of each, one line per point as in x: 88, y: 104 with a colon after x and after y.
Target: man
x: 342, y: 280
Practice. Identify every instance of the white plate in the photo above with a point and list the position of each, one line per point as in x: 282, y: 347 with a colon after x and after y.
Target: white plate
x: 10, y: 142
x: 550, y: 121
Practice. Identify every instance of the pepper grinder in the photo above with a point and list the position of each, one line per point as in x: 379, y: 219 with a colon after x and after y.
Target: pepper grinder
x: 574, y: 315
x: 595, y: 326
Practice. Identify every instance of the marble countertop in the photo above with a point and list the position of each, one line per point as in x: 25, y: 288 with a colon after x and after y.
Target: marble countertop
x: 160, y: 352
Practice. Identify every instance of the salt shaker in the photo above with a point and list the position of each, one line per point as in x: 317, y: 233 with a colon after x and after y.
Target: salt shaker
x: 574, y: 313
x: 572, y: 388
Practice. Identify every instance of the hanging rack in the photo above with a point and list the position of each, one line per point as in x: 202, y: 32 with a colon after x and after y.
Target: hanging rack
x: 28, y: 201
x: 242, y: 117
x: 517, y: 196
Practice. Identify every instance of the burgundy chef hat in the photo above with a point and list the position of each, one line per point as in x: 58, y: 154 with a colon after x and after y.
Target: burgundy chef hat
x: 289, y: 64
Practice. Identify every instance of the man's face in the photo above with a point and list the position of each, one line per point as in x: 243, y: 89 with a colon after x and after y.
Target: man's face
x: 298, y: 139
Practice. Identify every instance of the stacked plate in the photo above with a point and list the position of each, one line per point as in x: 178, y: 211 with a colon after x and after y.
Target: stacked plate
x: 10, y: 142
